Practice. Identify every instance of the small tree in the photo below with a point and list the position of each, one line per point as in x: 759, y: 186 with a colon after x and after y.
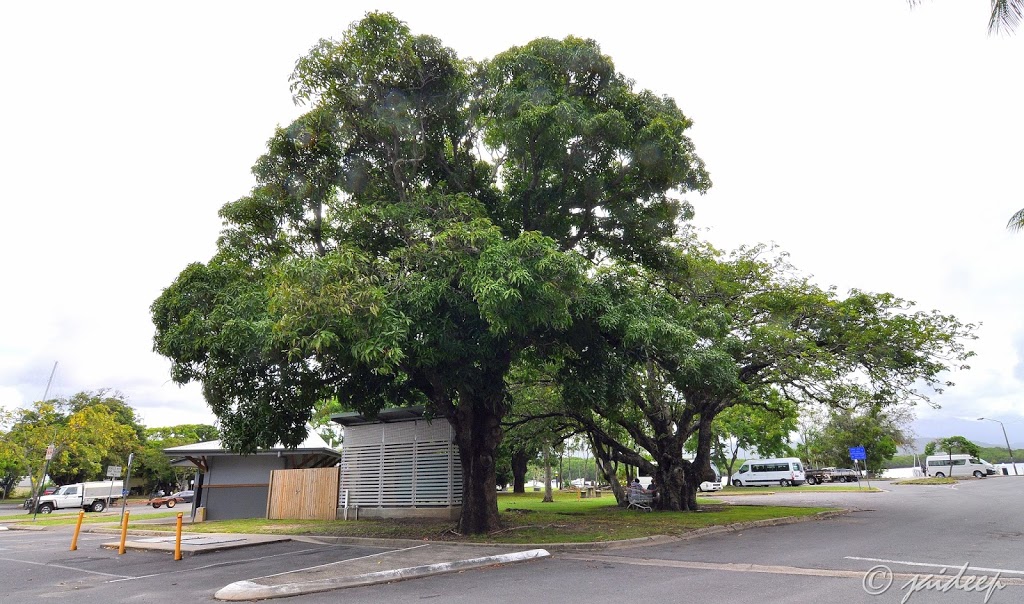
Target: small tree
x: 951, y: 444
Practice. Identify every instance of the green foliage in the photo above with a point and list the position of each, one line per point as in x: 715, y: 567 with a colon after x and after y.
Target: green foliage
x: 764, y: 428
x: 951, y: 445
x: 381, y: 260
x: 588, y: 161
x: 89, y: 431
x: 668, y: 351
x: 929, y: 480
x: 154, y: 468
x: 880, y: 431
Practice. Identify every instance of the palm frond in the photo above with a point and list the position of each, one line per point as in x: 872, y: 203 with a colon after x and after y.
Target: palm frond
x: 1016, y: 221
x: 1006, y: 15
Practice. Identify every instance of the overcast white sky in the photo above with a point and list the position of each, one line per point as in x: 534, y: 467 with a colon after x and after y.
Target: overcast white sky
x: 882, y: 146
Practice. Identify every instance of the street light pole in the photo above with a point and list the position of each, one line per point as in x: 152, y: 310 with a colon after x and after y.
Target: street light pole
x: 1008, y: 449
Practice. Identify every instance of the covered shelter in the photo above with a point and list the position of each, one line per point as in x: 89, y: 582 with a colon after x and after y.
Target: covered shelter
x: 231, y: 485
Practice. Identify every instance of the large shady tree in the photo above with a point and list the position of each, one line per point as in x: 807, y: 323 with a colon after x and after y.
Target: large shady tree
x: 424, y: 225
x: 671, y: 349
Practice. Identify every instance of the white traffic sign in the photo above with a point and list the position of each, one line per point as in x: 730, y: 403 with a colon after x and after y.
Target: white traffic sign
x: 49, y: 453
x: 114, y: 471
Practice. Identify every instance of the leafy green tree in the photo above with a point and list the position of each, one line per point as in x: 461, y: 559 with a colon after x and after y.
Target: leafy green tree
x: 881, y: 431
x: 673, y: 349
x: 154, y: 467
x: 86, y: 431
x: 764, y: 427
x: 951, y: 445
x: 116, y: 414
x: 12, y: 462
x: 380, y: 260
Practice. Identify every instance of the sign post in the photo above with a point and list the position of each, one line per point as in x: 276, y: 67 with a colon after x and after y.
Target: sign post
x: 127, y: 479
x: 858, y: 454
x: 112, y: 473
x: 50, y: 450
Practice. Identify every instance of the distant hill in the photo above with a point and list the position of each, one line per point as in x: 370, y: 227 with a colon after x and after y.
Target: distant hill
x: 920, y: 443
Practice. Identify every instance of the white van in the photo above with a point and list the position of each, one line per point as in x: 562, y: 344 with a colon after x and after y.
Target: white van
x: 784, y: 471
x: 959, y: 464
x: 716, y: 485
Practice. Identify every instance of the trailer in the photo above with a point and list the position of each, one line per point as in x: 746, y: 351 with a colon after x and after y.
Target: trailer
x: 822, y: 475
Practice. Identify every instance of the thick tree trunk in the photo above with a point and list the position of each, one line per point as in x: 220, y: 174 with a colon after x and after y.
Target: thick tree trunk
x: 691, y: 478
x: 520, y: 464
x: 608, y: 469
x: 478, y: 433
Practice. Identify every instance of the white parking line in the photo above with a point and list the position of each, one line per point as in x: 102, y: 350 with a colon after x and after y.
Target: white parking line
x: 61, y: 566
x: 755, y: 568
x: 935, y: 565
x: 217, y: 564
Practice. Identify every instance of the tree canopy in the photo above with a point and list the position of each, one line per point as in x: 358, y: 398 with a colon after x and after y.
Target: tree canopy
x: 425, y: 223
x: 670, y: 350
x: 950, y: 445
x: 432, y: 229
x: 89, y: 431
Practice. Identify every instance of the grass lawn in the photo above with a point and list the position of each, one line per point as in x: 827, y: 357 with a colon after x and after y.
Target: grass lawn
x: 932, y: 480
x: 525, y: 518
x: 112, y: 515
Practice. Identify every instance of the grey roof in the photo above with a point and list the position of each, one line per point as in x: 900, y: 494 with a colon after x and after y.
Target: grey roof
x: 312, y: 444
x: 384, y: 416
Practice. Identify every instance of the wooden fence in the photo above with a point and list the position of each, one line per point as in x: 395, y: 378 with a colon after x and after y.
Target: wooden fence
x: 303, y: 494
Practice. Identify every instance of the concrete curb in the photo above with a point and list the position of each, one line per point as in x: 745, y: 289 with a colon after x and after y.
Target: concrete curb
x: 251, y: 590
x: 21, y: 526
x: 577, y: 547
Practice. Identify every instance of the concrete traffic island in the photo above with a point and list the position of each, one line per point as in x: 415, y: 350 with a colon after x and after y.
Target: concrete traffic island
x: 194, y: 543
x: 408, y: 563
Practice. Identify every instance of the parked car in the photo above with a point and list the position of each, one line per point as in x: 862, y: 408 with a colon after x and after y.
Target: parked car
x: 30, y: 502
x: 173, y: 499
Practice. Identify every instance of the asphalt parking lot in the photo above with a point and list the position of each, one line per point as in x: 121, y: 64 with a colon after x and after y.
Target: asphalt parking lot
x: 912, y: 531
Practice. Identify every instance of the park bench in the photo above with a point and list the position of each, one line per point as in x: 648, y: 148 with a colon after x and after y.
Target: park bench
x: 639, y: 499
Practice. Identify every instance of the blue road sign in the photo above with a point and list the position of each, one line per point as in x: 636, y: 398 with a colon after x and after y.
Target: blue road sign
x: 124, y: 493
x: 858, y: 453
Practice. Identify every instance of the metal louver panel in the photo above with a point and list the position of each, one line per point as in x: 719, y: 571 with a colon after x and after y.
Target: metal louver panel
x: 403, y: 464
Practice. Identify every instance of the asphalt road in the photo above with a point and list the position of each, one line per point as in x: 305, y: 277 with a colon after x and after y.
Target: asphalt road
x: 913, y: 530
x: 15, y: 509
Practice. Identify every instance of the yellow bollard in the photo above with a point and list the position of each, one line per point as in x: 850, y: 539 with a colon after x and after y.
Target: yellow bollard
x: 78, y: 527
x: 177, y: 539
x: 124, y: 531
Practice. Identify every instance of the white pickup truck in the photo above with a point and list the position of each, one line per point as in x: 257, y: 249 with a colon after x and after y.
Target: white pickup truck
x: 90, y: 496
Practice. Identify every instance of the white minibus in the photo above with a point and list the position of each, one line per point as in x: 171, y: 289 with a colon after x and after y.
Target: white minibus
x: 959, y: 464
x: 784, y: 471
x: 716, y: 485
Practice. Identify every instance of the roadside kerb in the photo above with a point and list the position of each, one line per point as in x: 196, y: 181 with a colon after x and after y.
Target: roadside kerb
x: 256, y: 590
x: 588, y: 546
x: 694, y: 534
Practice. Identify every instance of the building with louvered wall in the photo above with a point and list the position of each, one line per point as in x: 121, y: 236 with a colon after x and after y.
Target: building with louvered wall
x: 398, y: 465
